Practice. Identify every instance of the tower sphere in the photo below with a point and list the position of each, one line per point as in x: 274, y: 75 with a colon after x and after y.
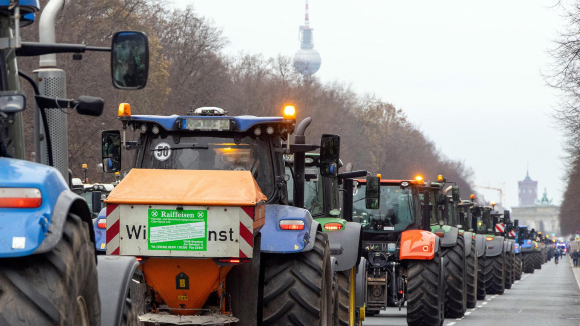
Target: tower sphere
x: 307, y: 61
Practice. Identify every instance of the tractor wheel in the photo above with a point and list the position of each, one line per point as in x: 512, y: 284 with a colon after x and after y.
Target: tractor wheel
x: 518, y: 267
x: 481, y: 277
x: 342, y: 311
x: 471, y: 273
x: 509, y: 267
x: 455, y: 278
x: 54, y: 288
x: 425, y: 292
x: 528, y: 262
x: 298, y: 287
x: 537, y: 259
x: 495, y: 274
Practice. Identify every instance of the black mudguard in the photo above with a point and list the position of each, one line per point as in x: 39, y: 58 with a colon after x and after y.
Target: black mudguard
x: 115, y: 276
x: 495, y: 247
x: 450, y: 238
x: 509, y: 245
x: 481, y: 245
x: 468, y: 236
x: 67, y: 202
x: 345, y: 246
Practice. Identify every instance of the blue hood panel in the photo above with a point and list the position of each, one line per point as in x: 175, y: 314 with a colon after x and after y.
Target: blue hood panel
x: 28, y: 223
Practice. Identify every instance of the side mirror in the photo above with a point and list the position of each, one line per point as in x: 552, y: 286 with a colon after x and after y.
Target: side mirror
x: 96, y: 198
x: 12, y: 101
x: 441, y: 199
x: 130, y: 60
x: 474, y: 223
x: 455, y: 194
x: 516, y: 223
x: 329, y: 155
x: 373, y: 193
x: 89, y: 105
x: 111, y: 150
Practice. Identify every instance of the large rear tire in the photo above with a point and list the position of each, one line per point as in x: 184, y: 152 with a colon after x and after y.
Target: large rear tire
x: 342, y: 312
x: 495, y: 274
x: 425, y: 292
x: 298, y: 287
x: 481, y: 277
x: 509, y: 267
x: 537, y: 259
x: 528, y: 262
x: 455, y: 275
x: 54, y: 288
x: 518, y: 267
x: 471, y: 276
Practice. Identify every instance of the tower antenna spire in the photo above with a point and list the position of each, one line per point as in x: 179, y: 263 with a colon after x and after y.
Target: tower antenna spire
x: 306, y: 20
x: 307, y: 59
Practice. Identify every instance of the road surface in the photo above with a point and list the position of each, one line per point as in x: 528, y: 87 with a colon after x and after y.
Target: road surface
x: 549, y: 296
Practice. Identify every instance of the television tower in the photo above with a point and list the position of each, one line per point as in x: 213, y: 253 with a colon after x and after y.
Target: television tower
x: 307, y: 61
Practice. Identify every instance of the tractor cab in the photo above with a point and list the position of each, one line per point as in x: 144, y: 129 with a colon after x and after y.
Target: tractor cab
x: 399, y: 210
x: 321, y: 194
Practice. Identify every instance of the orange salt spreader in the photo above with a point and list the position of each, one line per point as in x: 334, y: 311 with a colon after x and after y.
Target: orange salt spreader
x: 189, y: 227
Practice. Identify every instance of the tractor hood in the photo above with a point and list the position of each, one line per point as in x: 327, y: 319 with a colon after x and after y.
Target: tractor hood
x: 187, y: 187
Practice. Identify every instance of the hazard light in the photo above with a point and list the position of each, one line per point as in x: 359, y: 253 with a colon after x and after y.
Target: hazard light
x: 124, y: 110
x: 289, y: 112
x: 20, y: 198
x: 102, y: 223
x: 418, y: 178
x: 292, y: 224
x: 333, y: 226
x: 489, y: 238
x: 440, y: 233
x: 440, y: 178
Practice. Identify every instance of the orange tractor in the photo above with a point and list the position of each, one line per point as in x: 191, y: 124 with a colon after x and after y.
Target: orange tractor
x: 400, y: 253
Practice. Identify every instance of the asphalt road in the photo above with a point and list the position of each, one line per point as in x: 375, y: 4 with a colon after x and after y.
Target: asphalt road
x: 550, y: 296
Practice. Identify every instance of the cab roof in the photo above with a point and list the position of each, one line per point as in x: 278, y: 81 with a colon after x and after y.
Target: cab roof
x: 237, y: 123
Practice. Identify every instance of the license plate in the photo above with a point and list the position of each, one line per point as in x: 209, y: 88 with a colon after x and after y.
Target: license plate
x: 207, y: 124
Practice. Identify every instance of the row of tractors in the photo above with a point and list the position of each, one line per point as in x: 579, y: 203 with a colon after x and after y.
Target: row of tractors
x: 221, y: 219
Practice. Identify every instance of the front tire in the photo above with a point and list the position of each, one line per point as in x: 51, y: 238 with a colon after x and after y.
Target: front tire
x: 528, y: 262
x: 518, y: 267
x: 508, y: 270
x: 481, y: 277
x: 537, y: 259
x: 471, y: 274
x: 425, y: 291
x: 57, y: 287
x: 455, y: 275
x: 495, y: 274
x: 298, y: 287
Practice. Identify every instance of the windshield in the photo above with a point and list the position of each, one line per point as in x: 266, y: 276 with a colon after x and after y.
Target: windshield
x: 188, y: 151
x: 313, y: 195
x: 396, y: 211
x: 484, y: 222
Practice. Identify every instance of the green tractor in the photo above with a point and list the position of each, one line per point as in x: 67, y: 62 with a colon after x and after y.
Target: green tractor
x: 322, y: 199
x: 444, y: 217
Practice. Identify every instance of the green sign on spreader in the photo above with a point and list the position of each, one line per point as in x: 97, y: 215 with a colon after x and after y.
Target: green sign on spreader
x: 177, y: 230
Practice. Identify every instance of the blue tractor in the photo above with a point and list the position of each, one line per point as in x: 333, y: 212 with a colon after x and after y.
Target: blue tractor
x: 206, y: 203
x: 48, y: 267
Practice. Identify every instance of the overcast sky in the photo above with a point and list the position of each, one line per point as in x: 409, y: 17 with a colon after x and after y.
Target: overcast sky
x: 467, y: 73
